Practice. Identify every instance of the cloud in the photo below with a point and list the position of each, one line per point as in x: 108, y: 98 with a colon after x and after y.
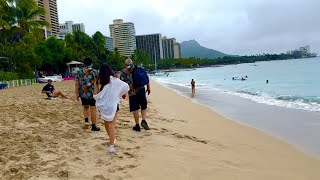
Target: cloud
x: 233, y: 26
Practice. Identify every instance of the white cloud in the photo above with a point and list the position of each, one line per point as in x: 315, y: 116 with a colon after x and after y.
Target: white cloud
x: 233, y: 26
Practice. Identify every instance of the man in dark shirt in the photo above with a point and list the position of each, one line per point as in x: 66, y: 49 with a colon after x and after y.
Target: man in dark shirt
x: 50, y: 91
x: 137, y: 96
x: 84, y: 90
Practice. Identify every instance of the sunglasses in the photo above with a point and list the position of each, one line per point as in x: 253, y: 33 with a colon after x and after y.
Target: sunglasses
x: 128, y: 64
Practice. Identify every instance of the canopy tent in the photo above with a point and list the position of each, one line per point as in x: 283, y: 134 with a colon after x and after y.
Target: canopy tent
x: 75, y: 65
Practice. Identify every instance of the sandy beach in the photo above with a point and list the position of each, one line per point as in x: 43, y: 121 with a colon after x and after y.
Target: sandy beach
x: 44, y: 139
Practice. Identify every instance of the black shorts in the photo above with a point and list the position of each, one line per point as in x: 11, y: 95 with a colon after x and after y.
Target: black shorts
x: 88, y: 102
x: 138, y: 101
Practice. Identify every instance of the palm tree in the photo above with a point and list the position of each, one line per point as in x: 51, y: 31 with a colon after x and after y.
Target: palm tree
x: 22, y: 18
x: 4, y: 24
x: 99, y: 42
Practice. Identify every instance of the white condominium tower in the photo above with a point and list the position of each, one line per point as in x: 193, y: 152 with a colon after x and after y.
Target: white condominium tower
x: 124, y: 37
x: 69, y: 28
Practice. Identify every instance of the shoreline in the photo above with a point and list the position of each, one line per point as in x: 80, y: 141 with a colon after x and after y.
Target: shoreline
x: 255, y: 115
x: 212, y: 146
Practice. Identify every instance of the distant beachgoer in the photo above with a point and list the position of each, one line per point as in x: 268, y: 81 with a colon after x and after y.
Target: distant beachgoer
x: 193, y: 87
x: 107, y: 100
x: 137, y: 79
x: 267, y: 81
x: 50, y: 91
x: 84, y: 89
x: 167, y: 74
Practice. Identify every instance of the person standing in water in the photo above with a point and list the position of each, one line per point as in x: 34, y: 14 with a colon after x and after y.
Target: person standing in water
x: 193, y: 87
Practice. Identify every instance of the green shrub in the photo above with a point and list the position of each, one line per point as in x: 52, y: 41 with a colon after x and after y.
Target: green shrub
x: 8, y: 76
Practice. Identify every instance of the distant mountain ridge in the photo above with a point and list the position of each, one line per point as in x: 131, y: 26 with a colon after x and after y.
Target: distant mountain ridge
x: 193, y: 49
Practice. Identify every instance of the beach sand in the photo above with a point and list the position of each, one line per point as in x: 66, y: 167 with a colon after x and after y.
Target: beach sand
x: 44, y: 139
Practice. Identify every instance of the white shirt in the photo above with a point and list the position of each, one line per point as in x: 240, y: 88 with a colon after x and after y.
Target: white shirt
x: 108, y: 99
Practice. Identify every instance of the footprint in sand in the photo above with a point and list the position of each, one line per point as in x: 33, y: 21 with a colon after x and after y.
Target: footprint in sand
x: 3, y: 160
x: 14, y: 158
x: 99, y: 177
x: 120, y: 169
x: 63, y: 174
x: 164, y: 130
x: 129, y: 155
x: 120, y: 157
x: 78, y: 159
x: 130, y: 141
x: 131, y: 166
x: 99, y: 147
x: 100, y: 162
x: 111, y: 170
x: 192, y: 138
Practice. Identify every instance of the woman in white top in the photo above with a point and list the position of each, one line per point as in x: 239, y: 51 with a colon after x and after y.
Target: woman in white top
x: 107, y: 100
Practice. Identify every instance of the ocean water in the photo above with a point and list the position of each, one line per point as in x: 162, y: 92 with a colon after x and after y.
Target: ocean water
x: 288, y: 107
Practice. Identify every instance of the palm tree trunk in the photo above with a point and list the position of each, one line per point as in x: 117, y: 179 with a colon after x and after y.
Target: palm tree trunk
x: 11, y: 60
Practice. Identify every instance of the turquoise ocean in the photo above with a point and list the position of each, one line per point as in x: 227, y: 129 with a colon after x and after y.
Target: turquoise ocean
x: 288, y: 107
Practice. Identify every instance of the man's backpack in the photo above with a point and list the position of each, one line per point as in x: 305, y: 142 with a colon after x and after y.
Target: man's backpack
x: 140, y: 77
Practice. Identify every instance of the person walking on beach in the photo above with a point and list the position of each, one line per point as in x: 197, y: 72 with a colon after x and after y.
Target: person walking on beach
x: 193, y: 87
x: 137, y: 78
x: 50, y: 91
x: 107, y: 100
x: 84, y: 89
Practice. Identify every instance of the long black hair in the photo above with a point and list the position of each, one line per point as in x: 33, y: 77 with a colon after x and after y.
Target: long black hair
x: 104, y: 74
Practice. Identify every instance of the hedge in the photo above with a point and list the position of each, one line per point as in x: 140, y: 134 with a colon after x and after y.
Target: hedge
x: 8, y: 76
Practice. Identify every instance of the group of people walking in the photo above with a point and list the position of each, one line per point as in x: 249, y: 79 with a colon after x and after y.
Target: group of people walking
x: 102, y: 91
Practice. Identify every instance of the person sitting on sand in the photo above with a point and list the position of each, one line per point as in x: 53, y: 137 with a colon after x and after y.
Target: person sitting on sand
x: 193, y: 87
x: 107, y: 100
x: 50, y: 91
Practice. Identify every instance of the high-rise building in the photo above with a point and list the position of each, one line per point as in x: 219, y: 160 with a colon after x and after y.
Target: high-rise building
x: 305, y: 50
x: 176, y: 50
x: 51, y: 16
x: 308, y: 49
x: 171, y: 49
x: 109, y: 44
x: 69, y: 28
x: 123, y: 35
x: 78, y: 27
x: 151, y: 44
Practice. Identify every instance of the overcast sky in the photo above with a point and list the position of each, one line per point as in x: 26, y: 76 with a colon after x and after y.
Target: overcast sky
x: 241, y: 27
